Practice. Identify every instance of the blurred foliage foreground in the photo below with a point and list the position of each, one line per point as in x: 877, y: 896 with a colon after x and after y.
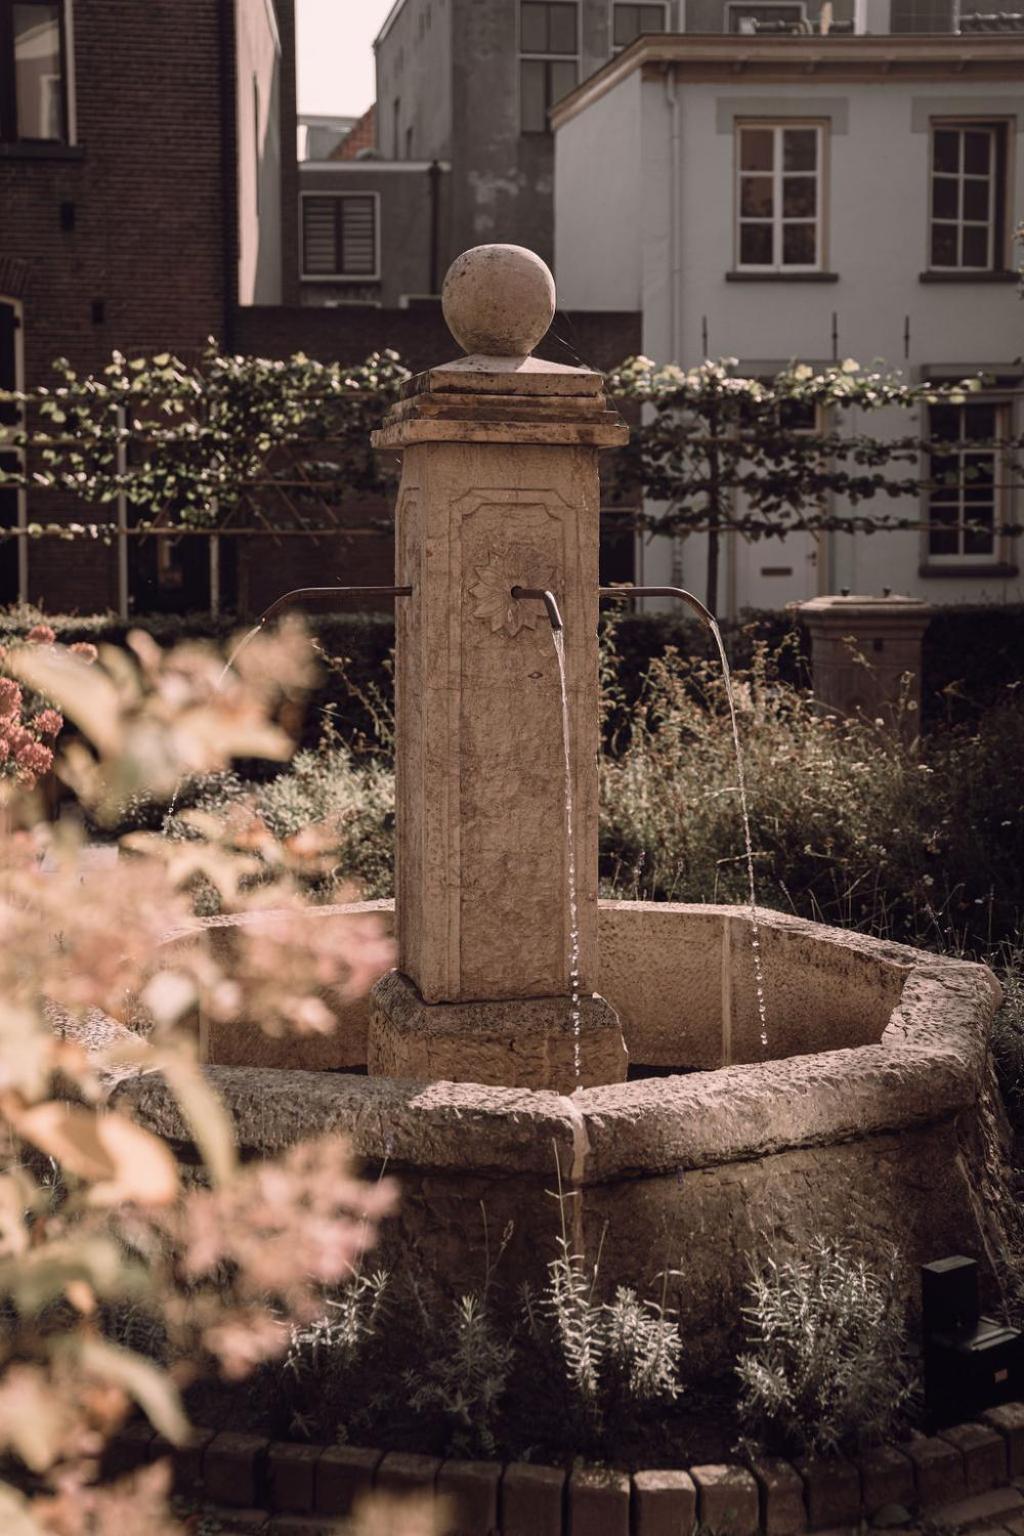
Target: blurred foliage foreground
x: 95, y: 1216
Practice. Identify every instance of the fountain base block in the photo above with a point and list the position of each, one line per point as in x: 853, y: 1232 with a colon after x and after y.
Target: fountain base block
x: 516, y: 1043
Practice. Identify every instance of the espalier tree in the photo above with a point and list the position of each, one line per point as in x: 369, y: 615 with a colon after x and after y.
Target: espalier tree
x: 233, y: 442
x: 769, y: 457
x: 223, y: 441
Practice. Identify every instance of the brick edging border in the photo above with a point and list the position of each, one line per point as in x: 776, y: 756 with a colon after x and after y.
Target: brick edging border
x: 950, y: 1471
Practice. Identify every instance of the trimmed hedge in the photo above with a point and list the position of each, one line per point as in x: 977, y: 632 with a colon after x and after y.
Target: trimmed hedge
x: 972, y: 654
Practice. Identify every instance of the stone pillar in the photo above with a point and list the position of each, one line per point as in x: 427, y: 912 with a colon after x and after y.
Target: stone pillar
x: 861, y: 650
x: 499, y: 489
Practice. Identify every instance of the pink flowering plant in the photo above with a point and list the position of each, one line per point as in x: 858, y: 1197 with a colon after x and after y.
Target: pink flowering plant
x: 97, y: 1219
x: 29, y: 725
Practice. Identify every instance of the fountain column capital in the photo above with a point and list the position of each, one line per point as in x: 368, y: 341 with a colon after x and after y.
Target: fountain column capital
x: 499, y: 301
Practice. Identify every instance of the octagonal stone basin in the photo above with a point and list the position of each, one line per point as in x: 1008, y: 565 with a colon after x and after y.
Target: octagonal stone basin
x: 869, y: 1116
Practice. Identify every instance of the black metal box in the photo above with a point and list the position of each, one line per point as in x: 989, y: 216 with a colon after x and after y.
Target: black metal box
x: 967, y: 1372
x: 949, y: 1296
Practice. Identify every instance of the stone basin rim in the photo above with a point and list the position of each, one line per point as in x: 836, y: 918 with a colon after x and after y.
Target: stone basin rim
x: 929, y: 1065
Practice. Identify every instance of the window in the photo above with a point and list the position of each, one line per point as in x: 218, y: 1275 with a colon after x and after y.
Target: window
x: 548, y: 58
x: 339, y: 235
x: 632, y: 21
x: 925, y: 15
x: 779, y: 197
x: 749, y: 18
x: 33, y: 102
x: 968, y: 163
x: 964, y: 461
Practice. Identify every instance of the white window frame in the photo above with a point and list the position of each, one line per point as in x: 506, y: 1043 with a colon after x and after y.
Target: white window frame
x: 1003, y: 406
x: 523, y: 54
x: 614, y: 48
x: 19, y: 384
x: 778, y: 127
x: 999, y: 136
x: 776, y: 5
x: 339, y: 277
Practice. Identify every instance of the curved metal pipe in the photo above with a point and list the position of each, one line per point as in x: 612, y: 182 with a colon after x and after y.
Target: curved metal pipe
x: 302, y: 592
x: 680, y: 592
x: 545, y: 597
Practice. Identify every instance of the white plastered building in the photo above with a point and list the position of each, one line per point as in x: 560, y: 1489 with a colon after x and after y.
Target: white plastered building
x: 778, y: 197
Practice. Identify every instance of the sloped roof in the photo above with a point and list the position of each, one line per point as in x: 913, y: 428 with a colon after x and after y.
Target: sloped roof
x: 362, y: 136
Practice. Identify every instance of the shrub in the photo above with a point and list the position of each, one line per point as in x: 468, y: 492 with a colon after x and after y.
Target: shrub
x: 1008, y: 1033
x: 848, y: 824
x: 826, y: 1367
x: 465, y: 1377
x: 608, y: 1363
x: 350, y: 800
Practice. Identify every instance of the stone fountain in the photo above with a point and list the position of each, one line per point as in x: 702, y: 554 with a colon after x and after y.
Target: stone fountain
x: 870, y: 1112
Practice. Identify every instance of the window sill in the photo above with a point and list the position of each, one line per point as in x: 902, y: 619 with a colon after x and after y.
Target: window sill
x: 40, y: 150
x: 781, y: 277
x: 965, y: 569
x: 969, y: 277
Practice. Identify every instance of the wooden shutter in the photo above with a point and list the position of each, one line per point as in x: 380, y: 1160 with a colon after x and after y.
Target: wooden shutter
x: 358, y: 237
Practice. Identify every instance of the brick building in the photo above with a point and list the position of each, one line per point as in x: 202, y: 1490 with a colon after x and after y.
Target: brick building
x: 147, y: 187
x: 150, y: 197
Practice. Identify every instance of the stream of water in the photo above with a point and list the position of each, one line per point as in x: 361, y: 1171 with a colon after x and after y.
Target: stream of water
x: 558, y: 636
x: 755, y: 927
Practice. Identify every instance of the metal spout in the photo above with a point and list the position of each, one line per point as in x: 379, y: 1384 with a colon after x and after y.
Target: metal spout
x: 545, y: 597
x: 303, y: 592
x: 684, y: 596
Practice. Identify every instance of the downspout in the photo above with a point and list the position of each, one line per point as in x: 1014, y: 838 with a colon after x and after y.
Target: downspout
x: 674, y: 202
x: 675, y: 261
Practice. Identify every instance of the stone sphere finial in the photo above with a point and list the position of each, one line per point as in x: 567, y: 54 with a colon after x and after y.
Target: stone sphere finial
x: 498, y: 300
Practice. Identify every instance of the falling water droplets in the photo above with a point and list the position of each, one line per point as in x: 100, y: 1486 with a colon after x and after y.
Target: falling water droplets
x: 755, y: 927
x: 245, y: 641
x: 558, y: 636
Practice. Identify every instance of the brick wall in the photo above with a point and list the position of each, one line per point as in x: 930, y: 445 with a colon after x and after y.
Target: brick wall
x: 351, y: 332
x: 151, y: 240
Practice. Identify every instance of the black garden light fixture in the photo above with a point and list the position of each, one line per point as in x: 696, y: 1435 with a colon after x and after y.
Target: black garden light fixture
x: 971, y: 1362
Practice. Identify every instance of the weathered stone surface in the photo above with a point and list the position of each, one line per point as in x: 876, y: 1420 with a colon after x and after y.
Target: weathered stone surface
x: 727, y: 1499
x: 831, y: 1490
x: 531, y: 1500
x: 496, y: 813
x: 291, y: 1477
x: 344, y: 1475
x: 783, y: 1512
x: 863, y: 650
x: 938, y: 1469
x: 995, y: 1505
x: 498, y: 300
x: 662, y: 973
x: 233, y: 1469
x: 526, y: 1043
x: 664, y: 1504
x: 881, y: 1143
x: 886, y: 1477
x: 984, y: 1453
x: 468, y: 1495
x: 1008, y: 1419
x: 598, y: 1502
x: 402, y: 1474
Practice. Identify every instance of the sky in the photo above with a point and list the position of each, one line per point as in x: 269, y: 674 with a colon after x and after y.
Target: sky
x: 335, y: 54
